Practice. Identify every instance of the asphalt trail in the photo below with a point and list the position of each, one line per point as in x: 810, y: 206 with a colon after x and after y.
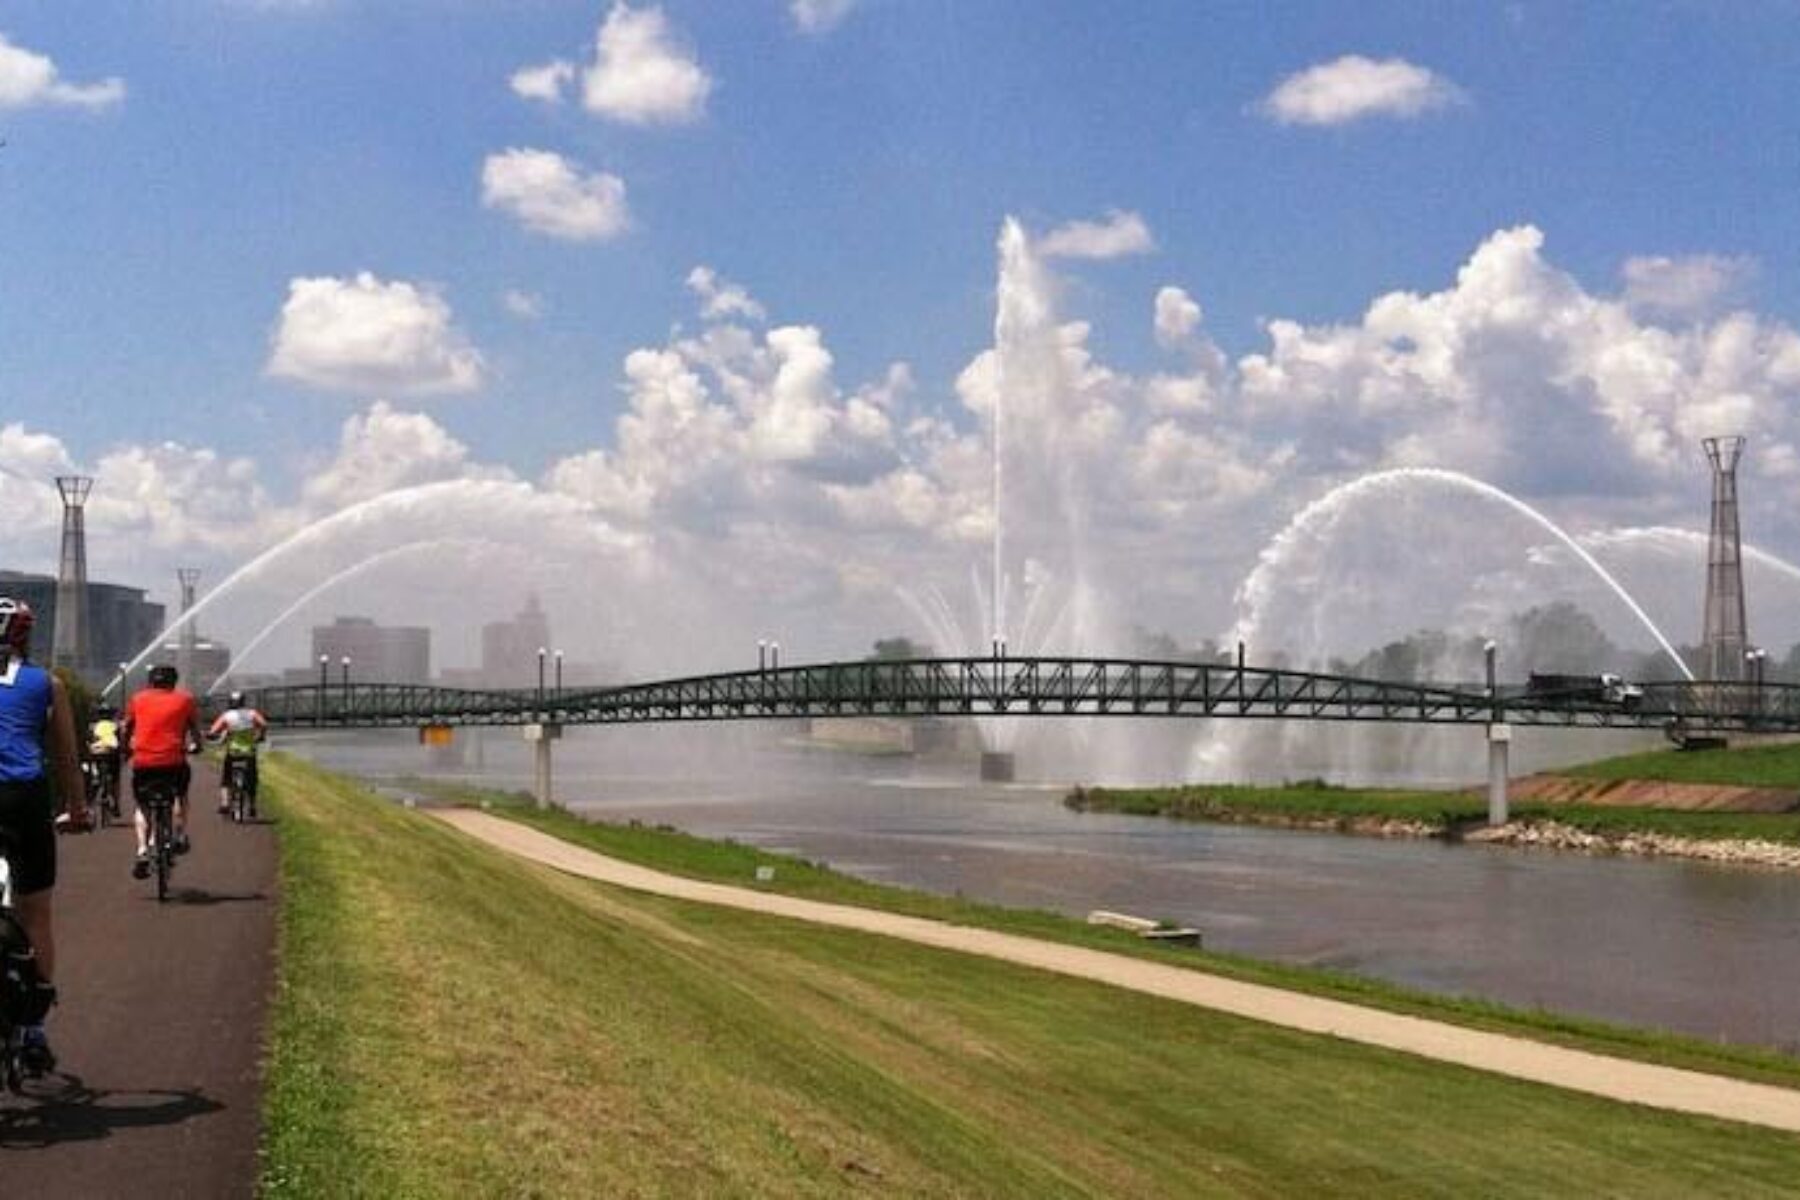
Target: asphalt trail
x: 160, y: 1031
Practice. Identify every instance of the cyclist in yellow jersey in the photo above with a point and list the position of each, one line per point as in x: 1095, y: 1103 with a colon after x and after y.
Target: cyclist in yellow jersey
x: 103, y: 753
x: 241, y: 727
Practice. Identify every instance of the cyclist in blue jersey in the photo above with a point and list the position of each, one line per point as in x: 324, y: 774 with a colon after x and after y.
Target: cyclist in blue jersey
x: 37, y: 746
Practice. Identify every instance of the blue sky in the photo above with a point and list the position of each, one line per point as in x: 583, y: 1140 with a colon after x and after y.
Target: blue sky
x: 850, y: 166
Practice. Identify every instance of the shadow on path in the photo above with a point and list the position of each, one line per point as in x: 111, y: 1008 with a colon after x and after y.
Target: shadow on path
x: 64, y: 1109
x: 201, y: 896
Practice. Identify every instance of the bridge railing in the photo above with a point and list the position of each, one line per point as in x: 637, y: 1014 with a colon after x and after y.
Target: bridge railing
x: 1033, y: 687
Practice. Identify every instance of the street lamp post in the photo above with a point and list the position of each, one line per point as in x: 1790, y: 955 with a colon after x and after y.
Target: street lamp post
x: 319, y: 705
x: 559, y: 675
x: 542, y: 653
x: 1755, y: 657
x: 345, y: 663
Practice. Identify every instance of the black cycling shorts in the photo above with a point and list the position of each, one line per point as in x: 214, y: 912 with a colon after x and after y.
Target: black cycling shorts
x: 143, y: 777
x: 28, y: 819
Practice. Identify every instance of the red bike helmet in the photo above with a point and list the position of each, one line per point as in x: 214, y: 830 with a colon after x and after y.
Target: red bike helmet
x: 15, y: 624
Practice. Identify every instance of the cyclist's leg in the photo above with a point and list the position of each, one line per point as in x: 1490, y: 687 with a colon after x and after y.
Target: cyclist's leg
x: 142, y: 780
x: 250, y: 782
x: 27, y: 811
x: 184, y: 776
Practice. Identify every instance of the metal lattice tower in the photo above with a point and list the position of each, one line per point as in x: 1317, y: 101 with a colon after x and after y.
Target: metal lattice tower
x: 1725, y: 636
x: 189, y: 578
x: 69, y: 640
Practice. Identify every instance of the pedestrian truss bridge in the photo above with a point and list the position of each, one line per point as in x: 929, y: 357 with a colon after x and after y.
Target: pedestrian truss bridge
x: 1033, y: 687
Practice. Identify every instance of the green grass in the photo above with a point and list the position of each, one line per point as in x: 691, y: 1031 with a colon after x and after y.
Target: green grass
x: 453, y: 1022
x: 1774, y: 766
x: 679, y: 853
x: 1306, y: 803
x: 1444, y: 812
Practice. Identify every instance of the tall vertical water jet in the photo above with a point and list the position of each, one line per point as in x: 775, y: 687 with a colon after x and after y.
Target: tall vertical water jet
x: 1036, y: 597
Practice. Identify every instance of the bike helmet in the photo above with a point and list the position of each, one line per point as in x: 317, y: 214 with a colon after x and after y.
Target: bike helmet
x: 236, y: 699
x: 15, y: 624
x: 105, y: 712
x: 163, y: 675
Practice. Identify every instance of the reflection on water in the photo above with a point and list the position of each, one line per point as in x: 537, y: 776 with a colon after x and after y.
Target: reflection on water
x: 1701, y: 949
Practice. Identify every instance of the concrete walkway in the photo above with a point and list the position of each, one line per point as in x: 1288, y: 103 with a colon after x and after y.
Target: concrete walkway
x: 1520, y: 1058
x: 160, y: 1033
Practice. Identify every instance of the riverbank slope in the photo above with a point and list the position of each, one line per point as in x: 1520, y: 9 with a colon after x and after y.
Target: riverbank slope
x: 451, y: 1021
x: 1718, y: 805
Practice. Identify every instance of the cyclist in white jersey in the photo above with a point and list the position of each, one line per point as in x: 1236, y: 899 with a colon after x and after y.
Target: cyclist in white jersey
x: 241, y: 727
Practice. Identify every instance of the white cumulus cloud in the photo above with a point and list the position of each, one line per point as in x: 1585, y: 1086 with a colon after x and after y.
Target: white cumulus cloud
x: 550, y: 195
x: 1177, y: 316
x: 386, y: 449
x: 1689, y: 286
x: 1120, y: 234
x: 28, y: 78
x: 640, y: 74
x: 721, y: 297
x: 363, y: 334
x: 545, y: 82
x: 1353, y: 87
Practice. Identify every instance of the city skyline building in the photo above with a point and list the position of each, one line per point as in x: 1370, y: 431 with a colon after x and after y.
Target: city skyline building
x: 379, y: 653
x: 120, y: 620
x: 509, y: 648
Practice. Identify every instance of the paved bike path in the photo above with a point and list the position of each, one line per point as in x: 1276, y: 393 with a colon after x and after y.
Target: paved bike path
x: 1578, y: 1070
x: 159, y: 1038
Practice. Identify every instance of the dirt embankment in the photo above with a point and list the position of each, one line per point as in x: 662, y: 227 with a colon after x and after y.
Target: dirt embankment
x: 1653, y: 793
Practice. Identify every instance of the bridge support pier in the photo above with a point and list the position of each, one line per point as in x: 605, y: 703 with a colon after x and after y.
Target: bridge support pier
x: 1499, y: 740
x: 542, y: 735
x: 996, y: 766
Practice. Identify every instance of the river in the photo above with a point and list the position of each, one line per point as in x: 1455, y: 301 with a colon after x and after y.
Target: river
x: 1705, y: 950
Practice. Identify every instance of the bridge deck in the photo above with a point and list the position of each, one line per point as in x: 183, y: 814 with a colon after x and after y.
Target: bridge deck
x: 1033, y: 687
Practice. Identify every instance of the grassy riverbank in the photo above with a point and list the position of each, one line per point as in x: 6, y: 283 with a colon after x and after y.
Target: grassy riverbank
x: 450, y: 1021
x: 1321, y: 806
x: 1774, y: 765
x: 678, y: 853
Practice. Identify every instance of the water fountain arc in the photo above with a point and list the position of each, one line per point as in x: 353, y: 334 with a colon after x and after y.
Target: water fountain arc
x: 1264, y: 577
x: 483, y: 498
x: 361, y: 567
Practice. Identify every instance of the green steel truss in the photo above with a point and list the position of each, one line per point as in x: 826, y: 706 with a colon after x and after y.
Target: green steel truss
x: 1030, y: 687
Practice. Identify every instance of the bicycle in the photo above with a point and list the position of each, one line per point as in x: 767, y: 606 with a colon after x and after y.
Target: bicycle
x: 157, y: 798
x: 102, y: 778
x: 237, y: 787
x: 24, y: 997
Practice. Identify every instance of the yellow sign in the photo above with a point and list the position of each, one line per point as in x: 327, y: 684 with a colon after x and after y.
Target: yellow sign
x: 436, y: 735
